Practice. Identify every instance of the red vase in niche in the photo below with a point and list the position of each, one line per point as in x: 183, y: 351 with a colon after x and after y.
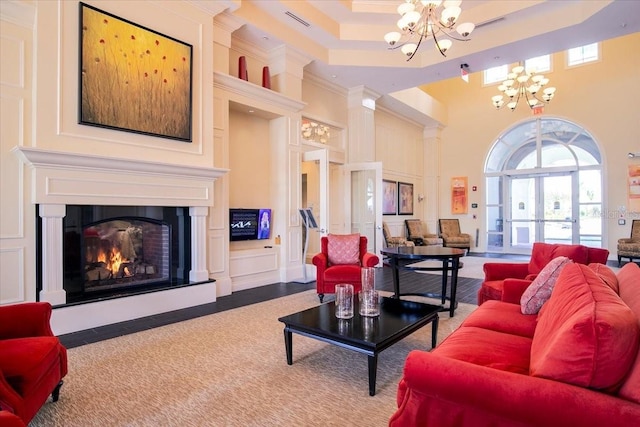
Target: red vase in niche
x: 266, y: 78
x: 242, y: 68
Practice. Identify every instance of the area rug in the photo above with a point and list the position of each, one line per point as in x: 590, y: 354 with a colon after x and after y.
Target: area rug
x: 229, y: 369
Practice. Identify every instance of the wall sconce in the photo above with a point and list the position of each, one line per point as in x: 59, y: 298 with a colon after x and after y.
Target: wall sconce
x: 420, y: 197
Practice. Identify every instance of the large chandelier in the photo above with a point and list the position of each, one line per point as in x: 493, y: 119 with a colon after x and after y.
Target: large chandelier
x: 421, y: 19
x: 526, y: 85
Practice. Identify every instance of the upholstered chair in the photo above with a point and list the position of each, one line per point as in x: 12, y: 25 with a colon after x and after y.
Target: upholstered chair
x: 32, y: 360
x: 340, y: 260
x: 452, y: 236
x: 630, y: 248
x: 417, y: 232
x: 391, y: 241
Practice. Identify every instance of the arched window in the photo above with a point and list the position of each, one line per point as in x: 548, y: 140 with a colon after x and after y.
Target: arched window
x: 544, y: 184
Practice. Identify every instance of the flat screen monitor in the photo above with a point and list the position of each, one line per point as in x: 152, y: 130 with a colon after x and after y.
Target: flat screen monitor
x: 249, y: 224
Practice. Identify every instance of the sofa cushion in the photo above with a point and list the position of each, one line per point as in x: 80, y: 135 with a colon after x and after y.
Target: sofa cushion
x: 488, y: 348
x: 24, y: 361
x: 502, y: 317
x: 629, y: 281
x: 586, y: 335
x: 543, y: 253
x: 540, y: 289
x: 606, y: 274
x: 343, y: 248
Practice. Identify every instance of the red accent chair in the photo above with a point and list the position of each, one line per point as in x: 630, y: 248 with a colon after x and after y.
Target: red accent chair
x: 32, y: 360
x: 520, y: 275
x: 328, y: 276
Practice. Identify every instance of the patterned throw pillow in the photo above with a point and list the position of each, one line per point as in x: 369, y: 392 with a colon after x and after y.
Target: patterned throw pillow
x: 343, y: 248
x: 540, y: 289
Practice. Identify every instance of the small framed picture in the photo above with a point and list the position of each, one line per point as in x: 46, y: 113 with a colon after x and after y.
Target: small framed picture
x: 389, y: 197
x: 405, y: 198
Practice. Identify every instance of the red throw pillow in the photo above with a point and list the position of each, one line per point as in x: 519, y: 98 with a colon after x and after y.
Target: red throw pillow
x: 586, y: 335
x: 343, y: 248
x: 540, y: 289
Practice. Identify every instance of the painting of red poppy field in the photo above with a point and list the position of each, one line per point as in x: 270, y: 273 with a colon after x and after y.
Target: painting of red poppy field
x: 132, y: 78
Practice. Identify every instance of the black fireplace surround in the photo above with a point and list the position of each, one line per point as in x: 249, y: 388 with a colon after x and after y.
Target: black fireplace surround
x: 118, y: 251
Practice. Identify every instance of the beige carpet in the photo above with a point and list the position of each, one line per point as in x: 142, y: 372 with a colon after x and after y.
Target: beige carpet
x: 229, y: 369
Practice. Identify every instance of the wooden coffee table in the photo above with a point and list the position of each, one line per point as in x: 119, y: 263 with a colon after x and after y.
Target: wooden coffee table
x: 368, y: 335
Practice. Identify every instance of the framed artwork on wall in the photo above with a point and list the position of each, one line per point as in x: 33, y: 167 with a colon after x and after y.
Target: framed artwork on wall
x: 459, y: 195
x: 405, y: 198
x: 633, y: 188
x: 132, y: 78
x: 389, y: 197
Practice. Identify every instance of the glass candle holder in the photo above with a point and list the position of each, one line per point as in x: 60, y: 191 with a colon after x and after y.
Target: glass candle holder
x: 344, y: 301
x: 369, y: 303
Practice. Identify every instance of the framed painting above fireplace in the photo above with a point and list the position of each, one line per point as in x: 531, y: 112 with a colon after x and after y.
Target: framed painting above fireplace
x: 132, y: 78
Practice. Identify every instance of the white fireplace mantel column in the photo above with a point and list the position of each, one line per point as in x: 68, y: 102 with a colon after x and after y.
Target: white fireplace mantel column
x: 52, y: 289
x: 199, y: 270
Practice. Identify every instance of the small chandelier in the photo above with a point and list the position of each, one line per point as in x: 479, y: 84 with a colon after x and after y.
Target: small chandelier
x: 313, y: 131
x: 525, y: 85
x: 423, y: 18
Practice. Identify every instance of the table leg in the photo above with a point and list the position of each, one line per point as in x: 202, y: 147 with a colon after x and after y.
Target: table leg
x: 373, y: 369
x: 288, y: 345
x: 434, y: 331
x: 445, y: 277
x: 455, y: 264
x: 396, y: 276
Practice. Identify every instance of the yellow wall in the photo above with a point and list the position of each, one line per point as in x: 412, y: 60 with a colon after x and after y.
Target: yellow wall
x: 601, y: 96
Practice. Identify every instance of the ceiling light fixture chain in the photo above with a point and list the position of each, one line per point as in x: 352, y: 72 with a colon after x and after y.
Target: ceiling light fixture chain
x: 423, y: 18
x: 523, y: 84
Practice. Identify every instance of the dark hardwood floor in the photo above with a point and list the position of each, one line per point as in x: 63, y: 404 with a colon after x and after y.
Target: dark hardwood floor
x: 410, y: 281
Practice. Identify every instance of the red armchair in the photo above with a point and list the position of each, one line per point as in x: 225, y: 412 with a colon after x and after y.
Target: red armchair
x: 32, y: 360
x: 520, y: 275
x: 328, y: 275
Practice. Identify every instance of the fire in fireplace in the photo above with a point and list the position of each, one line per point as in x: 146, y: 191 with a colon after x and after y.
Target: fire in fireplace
x: 114, y: 251
x: 125, y: 252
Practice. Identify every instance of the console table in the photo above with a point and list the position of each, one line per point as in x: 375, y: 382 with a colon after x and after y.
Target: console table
x: 403, y: 256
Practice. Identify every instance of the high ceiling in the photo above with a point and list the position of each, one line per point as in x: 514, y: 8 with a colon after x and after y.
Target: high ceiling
x: 343, y: 40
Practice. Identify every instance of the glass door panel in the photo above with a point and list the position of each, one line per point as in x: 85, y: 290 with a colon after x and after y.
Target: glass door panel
x: 557, y: 216
x: 522, y: 215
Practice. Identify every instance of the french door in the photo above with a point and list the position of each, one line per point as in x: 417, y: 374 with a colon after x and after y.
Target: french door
x: 542, y: 208
x: 363, y: 196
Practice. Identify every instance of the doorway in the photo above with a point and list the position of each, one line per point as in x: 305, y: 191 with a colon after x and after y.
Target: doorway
x: 541, y: 209
x: 544, y: 184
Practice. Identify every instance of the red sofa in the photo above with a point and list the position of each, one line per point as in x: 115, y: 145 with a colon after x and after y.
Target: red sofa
x: 575, y: 363
x: 522, y: 274
x: 328, y: 275
x: 32, y: 360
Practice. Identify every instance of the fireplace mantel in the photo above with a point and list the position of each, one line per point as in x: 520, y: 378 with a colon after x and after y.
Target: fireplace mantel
x: 82, y: 179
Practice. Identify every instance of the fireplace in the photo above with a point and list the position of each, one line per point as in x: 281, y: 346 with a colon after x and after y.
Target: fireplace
x: 116, y: 251
x: 73, y: 192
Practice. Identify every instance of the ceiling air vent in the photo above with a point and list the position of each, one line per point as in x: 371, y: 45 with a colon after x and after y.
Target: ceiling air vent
x: 297, y: 18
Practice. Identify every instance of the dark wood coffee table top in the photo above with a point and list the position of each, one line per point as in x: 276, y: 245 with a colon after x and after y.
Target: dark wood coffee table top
x: 369, y: 335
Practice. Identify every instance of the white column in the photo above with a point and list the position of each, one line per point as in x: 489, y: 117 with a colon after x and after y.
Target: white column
x: 362, y: 128
x: 52, y: 251
x: 431, y: 161
x: 199, y: 270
